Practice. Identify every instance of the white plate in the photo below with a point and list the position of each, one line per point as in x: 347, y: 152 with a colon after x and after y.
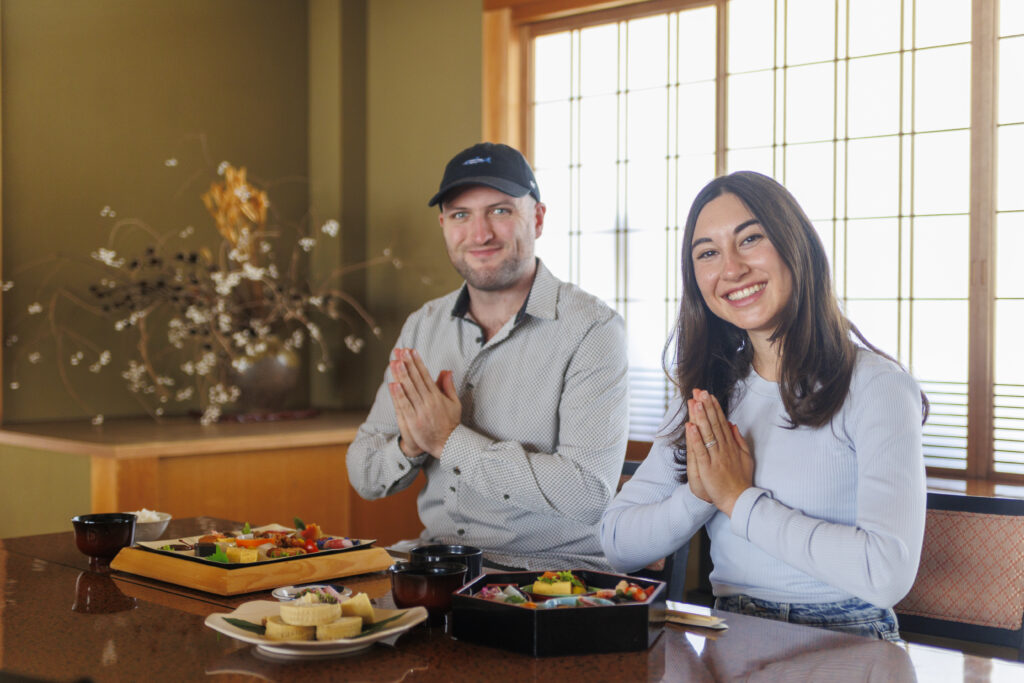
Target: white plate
x: 257, y: 609
x: 285, y: 593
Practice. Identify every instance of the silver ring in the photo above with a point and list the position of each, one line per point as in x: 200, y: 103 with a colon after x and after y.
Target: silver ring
x: 709, y: 444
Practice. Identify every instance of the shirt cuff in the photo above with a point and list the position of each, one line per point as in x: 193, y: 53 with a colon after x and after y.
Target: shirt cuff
x: 742, y: 509
x: 692, y: 504
x: 416, y: 459
x: 462, y: 444
x: 401, y: 464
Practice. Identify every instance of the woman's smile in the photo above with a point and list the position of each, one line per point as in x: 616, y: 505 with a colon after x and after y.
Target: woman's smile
x: 741, y: 294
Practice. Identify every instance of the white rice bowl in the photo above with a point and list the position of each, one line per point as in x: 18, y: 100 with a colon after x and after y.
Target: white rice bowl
x: 150, y: 524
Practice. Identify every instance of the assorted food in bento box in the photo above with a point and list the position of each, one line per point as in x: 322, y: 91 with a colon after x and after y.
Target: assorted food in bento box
x: 557, y: 583
x: 564, y: 589
x: 248, y: 545
x: 598, y: 612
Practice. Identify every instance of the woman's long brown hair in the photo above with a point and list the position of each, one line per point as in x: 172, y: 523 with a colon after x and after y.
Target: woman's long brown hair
x: 818, y: 351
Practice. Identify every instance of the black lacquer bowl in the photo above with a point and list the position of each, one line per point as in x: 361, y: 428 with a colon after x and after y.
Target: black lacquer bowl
x: 101, y: 536
x: 429, y: 585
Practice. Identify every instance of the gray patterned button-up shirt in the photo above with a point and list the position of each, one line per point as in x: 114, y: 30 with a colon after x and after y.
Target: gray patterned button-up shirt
x: 539, y: 452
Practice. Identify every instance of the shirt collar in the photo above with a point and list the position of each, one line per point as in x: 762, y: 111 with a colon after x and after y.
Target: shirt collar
x: 540, y: 302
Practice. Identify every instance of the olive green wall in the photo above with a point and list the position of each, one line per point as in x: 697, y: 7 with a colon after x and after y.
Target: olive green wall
x: 97, y: 96
x: 369, y: 98
x: 394, y: 93
x: 40, y: 492
x: 337, y: 162
x: 423, y: 106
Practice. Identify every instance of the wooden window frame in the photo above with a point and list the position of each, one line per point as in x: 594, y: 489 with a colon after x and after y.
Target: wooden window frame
x: 506, y: 86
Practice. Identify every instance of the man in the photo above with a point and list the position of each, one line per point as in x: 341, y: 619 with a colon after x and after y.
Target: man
x: 523, y: 433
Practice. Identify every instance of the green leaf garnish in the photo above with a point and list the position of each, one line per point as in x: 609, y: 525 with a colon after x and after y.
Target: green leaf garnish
x: 378, y: 626
x: 246, y: 529
x: 246, y: 625
x: 299, y: 524
x: 568, y: 576
x: 218, y: 556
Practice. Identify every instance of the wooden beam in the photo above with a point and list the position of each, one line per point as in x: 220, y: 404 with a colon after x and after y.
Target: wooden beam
x: 524, y: 11
x: 501, y: 74
x: 981, y: 312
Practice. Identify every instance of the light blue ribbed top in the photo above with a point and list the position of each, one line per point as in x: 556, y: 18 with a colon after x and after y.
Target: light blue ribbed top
x: 835, y: 512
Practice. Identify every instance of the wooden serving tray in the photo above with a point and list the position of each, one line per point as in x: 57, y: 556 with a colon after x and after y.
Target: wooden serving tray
x: 248, y: 579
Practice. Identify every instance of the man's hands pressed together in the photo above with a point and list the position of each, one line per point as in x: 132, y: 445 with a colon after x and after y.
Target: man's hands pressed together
x: 427, y: 411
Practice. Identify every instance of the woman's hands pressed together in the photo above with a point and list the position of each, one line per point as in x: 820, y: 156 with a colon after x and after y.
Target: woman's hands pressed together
x: 719, y: 466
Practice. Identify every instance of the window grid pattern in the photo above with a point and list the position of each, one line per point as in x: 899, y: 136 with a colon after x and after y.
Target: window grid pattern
x: 1009, y: 386
x: 870, y: 129
x: 620, y: 235
x: 827, y: 158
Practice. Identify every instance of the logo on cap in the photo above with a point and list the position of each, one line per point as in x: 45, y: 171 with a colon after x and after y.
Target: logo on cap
x: 476, y: 160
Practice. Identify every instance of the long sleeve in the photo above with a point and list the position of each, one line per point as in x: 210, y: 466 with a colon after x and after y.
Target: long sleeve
x: 653, y: 514
x: 539, y: 449
x: 376, y: 465
x: 876, y: 557
x: 577, y: 479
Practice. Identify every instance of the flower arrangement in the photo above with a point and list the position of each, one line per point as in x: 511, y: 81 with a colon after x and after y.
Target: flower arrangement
x: 202, y: 316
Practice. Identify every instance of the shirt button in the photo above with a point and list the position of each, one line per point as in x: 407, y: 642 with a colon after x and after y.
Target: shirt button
x: 470, y: 385
x: 457, y: 471
x: 452, y: 489
x: 401, y: 466
x: 462, y: 532
x: 506, y: 496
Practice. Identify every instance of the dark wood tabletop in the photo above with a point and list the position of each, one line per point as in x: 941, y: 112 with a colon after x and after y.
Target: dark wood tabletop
x: 60, y: 621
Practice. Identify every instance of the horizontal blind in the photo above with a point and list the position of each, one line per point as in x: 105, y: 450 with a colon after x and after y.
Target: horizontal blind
x: 648, y: 398
x: 1009, y: 428
x: 945, y: 434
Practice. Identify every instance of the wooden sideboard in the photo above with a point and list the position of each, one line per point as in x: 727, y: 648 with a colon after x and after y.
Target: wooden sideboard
x: 262, y: 472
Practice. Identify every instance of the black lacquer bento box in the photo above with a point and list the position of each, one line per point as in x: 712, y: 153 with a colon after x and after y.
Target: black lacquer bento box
x: 625, y: 627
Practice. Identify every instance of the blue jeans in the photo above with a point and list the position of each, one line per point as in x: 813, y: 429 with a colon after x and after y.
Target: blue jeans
x: 851, y: 616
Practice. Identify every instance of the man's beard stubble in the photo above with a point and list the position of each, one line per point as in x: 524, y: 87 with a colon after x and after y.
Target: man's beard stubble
x: 505, y: 277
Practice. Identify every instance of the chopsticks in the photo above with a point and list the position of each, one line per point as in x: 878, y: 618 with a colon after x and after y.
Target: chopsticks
x: 675, y: 616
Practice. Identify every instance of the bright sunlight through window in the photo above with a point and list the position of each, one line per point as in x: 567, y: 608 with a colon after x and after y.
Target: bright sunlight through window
x: 863, y: 109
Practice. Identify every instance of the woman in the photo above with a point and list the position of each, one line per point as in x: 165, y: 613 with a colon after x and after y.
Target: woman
x: 798, y: 449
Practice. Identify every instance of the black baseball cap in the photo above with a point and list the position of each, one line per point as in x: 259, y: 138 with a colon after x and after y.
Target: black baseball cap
x: 492, y: 164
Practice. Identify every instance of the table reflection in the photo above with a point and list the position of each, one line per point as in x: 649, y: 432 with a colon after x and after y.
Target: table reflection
x: 378, y: 664
x: 766, y: 650
x: 96, y: 593
x: 131, y: 628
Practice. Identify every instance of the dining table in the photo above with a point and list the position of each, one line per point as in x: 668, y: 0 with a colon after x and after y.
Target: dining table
x: 60, y: 621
